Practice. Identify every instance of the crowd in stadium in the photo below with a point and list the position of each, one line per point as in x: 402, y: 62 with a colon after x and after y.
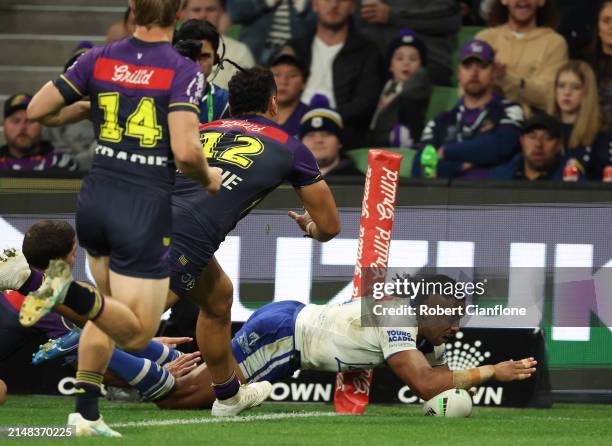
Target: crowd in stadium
x: 533, y: 85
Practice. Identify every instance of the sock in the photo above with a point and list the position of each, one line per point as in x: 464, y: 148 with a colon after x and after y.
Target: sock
x: 84, y: 301
x: 158, y: 353
x: 33, y: 283
x: 226, y: 389
x: 153, y: 381
x: 88, y: 390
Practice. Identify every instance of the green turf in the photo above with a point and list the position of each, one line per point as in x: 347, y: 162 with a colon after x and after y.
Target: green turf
x: 576, y: 425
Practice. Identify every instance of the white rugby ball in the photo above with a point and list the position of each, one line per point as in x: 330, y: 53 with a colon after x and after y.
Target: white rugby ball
x: 453, y: 403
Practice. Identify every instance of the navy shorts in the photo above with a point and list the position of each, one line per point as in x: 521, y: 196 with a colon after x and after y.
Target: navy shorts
x: 264, y: 347
x: 130, y: 223
x: 191, y: 249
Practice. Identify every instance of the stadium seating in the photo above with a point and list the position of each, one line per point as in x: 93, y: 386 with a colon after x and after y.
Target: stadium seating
x: 38, y: 36
x: 360, y: 158
x: 442, y: 98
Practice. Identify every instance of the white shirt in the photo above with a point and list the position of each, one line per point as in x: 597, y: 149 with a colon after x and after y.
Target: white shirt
x: 321, y: 80
x: 331, y: 338
x: 236, y: 51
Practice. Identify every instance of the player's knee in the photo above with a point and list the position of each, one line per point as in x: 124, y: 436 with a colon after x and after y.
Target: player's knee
x: 136, y: 343
x: 220, y: 306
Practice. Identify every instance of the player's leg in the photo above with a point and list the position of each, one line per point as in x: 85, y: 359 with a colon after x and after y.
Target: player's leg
x: 213, y: 293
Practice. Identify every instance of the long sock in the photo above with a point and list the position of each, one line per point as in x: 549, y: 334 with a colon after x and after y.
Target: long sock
x: 148, y: 377
x: 33, y: 283
x: 158, y: 353
x: 84, y: 301
x: 226, y: 389
x: 88, y: 390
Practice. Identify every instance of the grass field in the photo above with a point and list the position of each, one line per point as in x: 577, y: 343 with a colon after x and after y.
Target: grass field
x: 315, y: 424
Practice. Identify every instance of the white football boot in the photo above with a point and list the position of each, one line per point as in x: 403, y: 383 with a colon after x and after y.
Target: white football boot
x: 249, y: 395
x: 14, y: 269
x: 37, y: 304
x: 87, y: 428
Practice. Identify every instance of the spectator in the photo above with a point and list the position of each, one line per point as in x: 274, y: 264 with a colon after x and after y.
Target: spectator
x: 483, y: 129
x: 528, y: 50
x: 601, y: 60
x: 24, y: 150
x: 436, y: 21
x: 321, y: 130
x: 121, y: 30
x: 577, y: 106
x: 290, y: 76
x: 214, y: 102
x: 77, y: 139
x: 540, y: 157
x: 576, y: 24
x: 400, y: 115
x: 345, y: 67
x: 232, y: 49
x: 267, y: 25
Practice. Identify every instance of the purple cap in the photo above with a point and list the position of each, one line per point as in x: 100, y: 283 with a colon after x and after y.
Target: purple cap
x: 477, y: 49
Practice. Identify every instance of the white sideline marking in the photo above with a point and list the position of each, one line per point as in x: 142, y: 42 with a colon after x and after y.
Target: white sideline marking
x: 211, y: 420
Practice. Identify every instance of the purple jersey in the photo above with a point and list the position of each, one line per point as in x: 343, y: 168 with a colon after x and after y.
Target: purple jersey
x: 256, y: 156
x: 52, y: 324
x: 45, y: 158
x: 292, y: 124
x: 133, y: 85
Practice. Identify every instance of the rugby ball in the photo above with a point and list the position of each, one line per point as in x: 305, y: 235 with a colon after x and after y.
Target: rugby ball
x: 453, y: 403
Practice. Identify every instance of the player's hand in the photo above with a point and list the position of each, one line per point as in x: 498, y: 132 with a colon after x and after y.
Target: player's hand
x: 375, y: 12
x: 173, y: 342
x: 183, y: 364
x: 515, y: 370
x: 214, y: 180
x: 304, y: 221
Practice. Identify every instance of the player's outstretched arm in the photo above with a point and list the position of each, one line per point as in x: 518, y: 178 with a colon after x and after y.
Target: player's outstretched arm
x: 321, y: 220
x: 187, y: 149
x: 412, y: 367
x: 47, y: 101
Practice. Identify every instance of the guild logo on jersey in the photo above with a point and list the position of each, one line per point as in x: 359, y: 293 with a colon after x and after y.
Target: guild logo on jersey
x: 137, y: 77
x: 399, y: 336
x: 133, y: 76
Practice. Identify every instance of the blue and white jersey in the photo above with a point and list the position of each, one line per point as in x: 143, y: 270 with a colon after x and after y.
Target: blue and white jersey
x: 331, y: 338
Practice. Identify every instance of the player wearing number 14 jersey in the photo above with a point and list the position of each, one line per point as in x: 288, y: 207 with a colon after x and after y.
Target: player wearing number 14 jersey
x: 144, y: 99
x: 255, y: 156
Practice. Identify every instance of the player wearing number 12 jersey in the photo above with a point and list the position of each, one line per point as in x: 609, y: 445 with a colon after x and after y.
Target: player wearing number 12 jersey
x: 144, y: 99
x: 255, y: 156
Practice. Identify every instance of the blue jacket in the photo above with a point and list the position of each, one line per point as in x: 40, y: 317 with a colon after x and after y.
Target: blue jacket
x: 492, y: 139
x: 513, y: 170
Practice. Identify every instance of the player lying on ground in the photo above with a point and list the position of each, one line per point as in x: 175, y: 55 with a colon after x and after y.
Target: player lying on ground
x: 283, y: 337
x: 54, y: 239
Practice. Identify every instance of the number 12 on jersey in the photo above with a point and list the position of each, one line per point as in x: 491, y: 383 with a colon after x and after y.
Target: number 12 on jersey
x: 141, y: 124
x: 237, y: 153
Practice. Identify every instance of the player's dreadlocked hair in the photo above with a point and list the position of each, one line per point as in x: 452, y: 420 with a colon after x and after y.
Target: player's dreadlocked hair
x: 250, y: 90
x: 47, y: 240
